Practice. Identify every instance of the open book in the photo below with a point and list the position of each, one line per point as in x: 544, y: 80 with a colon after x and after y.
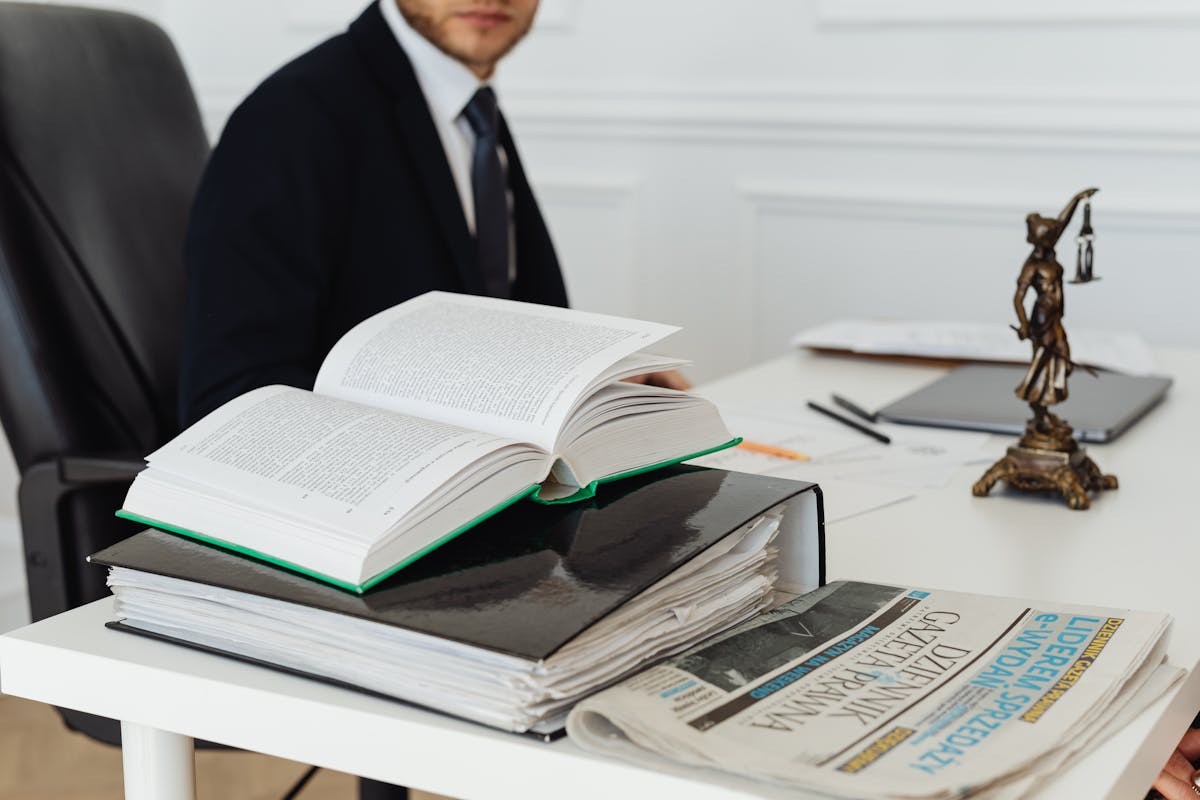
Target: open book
x: 425, y: 419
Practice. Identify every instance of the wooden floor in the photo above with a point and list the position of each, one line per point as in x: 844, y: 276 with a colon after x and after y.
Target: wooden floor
x: 41, y: 760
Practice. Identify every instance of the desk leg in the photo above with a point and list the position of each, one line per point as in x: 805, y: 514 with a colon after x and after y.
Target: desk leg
x: 159, y: 765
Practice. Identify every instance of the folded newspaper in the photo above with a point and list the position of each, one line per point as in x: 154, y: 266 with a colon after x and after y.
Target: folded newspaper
x: 861, y: 690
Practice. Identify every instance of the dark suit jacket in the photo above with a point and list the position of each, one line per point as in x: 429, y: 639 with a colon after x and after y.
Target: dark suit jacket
x: 328, y: 199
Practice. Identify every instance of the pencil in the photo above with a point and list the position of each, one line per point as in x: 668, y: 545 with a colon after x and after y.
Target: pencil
x: 772, y: 450
x: 858, y: 426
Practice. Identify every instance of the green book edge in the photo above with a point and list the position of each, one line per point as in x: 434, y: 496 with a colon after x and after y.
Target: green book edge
x: 589, y: 491
x: 584, y: 493
x: 357, y: 588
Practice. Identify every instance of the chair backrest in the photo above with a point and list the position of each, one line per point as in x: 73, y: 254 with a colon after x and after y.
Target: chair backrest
x: 101, y: 148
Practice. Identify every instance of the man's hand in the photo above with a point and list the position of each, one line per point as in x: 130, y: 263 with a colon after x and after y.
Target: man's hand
x: 670, y: 379
x: 1175, y: 781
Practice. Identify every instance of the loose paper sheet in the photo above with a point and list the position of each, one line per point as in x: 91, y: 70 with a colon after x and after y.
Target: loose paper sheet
x: 1123, y: 352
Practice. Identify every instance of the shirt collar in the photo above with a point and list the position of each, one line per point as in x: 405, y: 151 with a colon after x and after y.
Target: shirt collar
x: 448, y: 85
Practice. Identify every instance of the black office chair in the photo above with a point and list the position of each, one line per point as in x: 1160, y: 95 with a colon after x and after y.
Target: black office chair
x: 101, y: 147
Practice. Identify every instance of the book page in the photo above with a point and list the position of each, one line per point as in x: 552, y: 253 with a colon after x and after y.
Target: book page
x: 306, y: 456
x: 512, y: 369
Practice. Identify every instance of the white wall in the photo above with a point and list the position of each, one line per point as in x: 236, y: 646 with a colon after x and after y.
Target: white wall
x: 747, y: 169
x: 783, y: 163
x: 14, y: 610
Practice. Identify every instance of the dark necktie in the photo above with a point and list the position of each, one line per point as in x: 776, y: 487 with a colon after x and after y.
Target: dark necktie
x: 491, y: 194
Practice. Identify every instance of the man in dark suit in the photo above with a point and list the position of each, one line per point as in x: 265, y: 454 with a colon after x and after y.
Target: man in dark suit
x: 371, y: 169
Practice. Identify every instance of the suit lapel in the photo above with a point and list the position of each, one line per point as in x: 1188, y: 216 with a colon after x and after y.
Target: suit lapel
x: 392, y: 68
x: 538, y: 276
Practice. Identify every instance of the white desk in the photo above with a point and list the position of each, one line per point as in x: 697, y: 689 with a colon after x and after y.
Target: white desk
x: 1136, y: 547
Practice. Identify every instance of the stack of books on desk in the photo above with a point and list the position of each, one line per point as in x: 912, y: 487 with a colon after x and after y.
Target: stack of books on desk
x: 425, y: 419
x: 508, y: 625
x: 319, y: 532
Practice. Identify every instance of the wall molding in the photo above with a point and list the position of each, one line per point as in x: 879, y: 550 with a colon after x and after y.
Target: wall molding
x: 852, y: 116
x: 956, y: 207
x: 760, y: 201
x: 610, y: 198
x: 585, y: 189
x: 1026, y: 12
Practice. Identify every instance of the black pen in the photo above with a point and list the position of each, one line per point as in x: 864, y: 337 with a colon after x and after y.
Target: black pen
x: 858, y: 426
x: 853, y: 408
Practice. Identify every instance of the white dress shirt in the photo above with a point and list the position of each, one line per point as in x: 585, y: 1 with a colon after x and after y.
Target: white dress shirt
x: 448, y: 85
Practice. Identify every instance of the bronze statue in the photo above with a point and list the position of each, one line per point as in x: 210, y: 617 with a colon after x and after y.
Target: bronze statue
x: 1048, y: 457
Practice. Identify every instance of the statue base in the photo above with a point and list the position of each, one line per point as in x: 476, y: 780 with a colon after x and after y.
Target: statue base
x: 1048, y: 459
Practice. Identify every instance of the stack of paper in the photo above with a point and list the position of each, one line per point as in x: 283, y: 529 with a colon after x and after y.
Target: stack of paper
x: 1123, y: 352
x: 856, y: 474
x: 726, y: 584
x: 514, y: 621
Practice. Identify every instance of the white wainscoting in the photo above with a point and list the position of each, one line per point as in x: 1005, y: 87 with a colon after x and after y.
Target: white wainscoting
x: 942, y: 12
x: 595, y: 220
x: 998, y: 118
x: 899, y: 254
x: 748, y: 169
x: 14, y: 607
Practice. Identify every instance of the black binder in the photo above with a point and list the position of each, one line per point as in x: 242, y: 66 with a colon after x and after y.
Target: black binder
x: 526, y: 581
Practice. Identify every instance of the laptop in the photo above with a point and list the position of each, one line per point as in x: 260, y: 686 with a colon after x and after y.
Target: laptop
x: 980, y: 397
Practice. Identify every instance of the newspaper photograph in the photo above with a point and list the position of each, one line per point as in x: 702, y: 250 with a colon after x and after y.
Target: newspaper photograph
x: 866, y: 690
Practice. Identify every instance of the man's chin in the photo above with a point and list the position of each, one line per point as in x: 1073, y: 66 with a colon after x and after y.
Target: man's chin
x: 479, y: 55
x: 479, y: 45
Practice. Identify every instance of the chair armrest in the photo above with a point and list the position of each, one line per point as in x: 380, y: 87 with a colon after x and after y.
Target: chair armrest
x: 87, y: 470
x: 39, y: 499
x: 45, y: 483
